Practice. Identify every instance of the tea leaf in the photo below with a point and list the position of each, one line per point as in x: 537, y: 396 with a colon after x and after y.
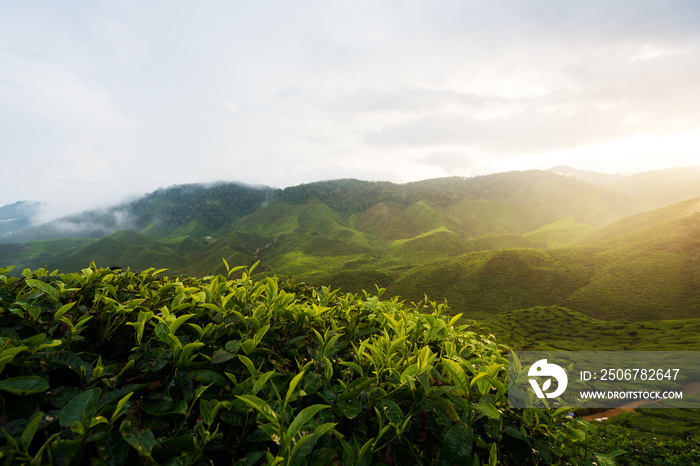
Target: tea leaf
x: 24, y: 385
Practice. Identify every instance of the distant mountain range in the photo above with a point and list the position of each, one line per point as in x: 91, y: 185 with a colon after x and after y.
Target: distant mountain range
x: 608, y: 246
x: 18, y: 216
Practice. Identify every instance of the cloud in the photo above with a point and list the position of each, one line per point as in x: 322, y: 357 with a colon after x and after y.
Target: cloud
x: 413, y: 100
x: 124, y: 43
x: 529, y: 130
x: 451, y: 162
x: 103, y: 100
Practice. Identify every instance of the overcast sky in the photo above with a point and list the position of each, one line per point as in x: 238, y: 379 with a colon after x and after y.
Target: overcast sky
x: 100, y: 100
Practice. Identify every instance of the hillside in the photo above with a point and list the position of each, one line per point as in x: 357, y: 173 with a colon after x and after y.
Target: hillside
x: 163, y: 213
x: 360, y: 221
x: 563, y: 329
x: 488, y: 244
x: 644, y: 267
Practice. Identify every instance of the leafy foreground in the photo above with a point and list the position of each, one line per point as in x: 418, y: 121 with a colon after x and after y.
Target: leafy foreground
x: 110, y: 367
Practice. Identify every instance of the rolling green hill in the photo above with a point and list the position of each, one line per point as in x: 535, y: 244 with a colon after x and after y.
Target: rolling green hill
x: 488, y: 244
x: 644, y: 267
x: 485, y: 283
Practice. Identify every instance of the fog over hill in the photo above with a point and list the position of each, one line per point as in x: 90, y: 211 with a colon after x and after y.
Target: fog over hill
x: 18, y: 216
x: 653, y: 189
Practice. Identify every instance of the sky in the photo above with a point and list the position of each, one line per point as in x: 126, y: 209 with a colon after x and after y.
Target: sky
x: 101, y: 101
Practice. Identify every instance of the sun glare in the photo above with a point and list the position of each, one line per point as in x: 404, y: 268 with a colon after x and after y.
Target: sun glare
x: 637, y: 153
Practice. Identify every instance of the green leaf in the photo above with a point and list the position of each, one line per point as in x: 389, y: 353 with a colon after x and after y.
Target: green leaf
x: 78, y: 407
x: 8, y: 354
x: 458, y: 374
x: 78, y: 428
x: 30, y: 429
x: 392, y: 411
x: 249, y: 364
x: 157, y: 403
x: 454, y: 319
x: 515, y: 433
x: 356, y: 387
x: 493, y: 455
x: 409, y: 374
x: 188, y: 349
x: 24, y: 385
x: 69, y: 448
x: 356, y: 367
x: 162, y: 332
x: 488, y: 409
x: 120, y: 407
x: 206, y: 411
x: 323, y: 428
x: 178, y: 322
x: 10, y: 439
x: 262, y: 380
x: 293, y: 385
x: 304, y: 416
x: 604, y: 460
x: 458, y: 443
x: 261, y: 333
x: 349, y: 408
x: 232, y: 346
x: 45, y: 287
x: 208, y: 377
x: 97, y: 420
x: 261, y: 406
x: 62, y: 310
x: 143, y: 441
x: 477, y: 377
x: 248, y: 346
x: 221, y: 356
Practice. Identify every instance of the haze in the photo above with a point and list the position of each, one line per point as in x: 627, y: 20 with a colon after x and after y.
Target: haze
x: 104, y: 100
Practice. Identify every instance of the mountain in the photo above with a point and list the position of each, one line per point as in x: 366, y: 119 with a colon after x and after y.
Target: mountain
x: 17, y: 216
x: 489, y: 244
x: 159, y: 214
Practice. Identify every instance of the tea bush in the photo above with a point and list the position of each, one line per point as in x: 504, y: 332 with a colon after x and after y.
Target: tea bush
x: 112, y: 367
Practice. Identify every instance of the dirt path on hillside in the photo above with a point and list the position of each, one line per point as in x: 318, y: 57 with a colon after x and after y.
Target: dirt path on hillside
x: 274, y: 240
x: 689, y: 389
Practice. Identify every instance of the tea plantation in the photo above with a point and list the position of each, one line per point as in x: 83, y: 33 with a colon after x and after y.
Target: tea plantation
x: 112, y: 367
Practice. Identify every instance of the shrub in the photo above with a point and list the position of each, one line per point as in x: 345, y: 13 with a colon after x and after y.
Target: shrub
x: 113, y: 367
